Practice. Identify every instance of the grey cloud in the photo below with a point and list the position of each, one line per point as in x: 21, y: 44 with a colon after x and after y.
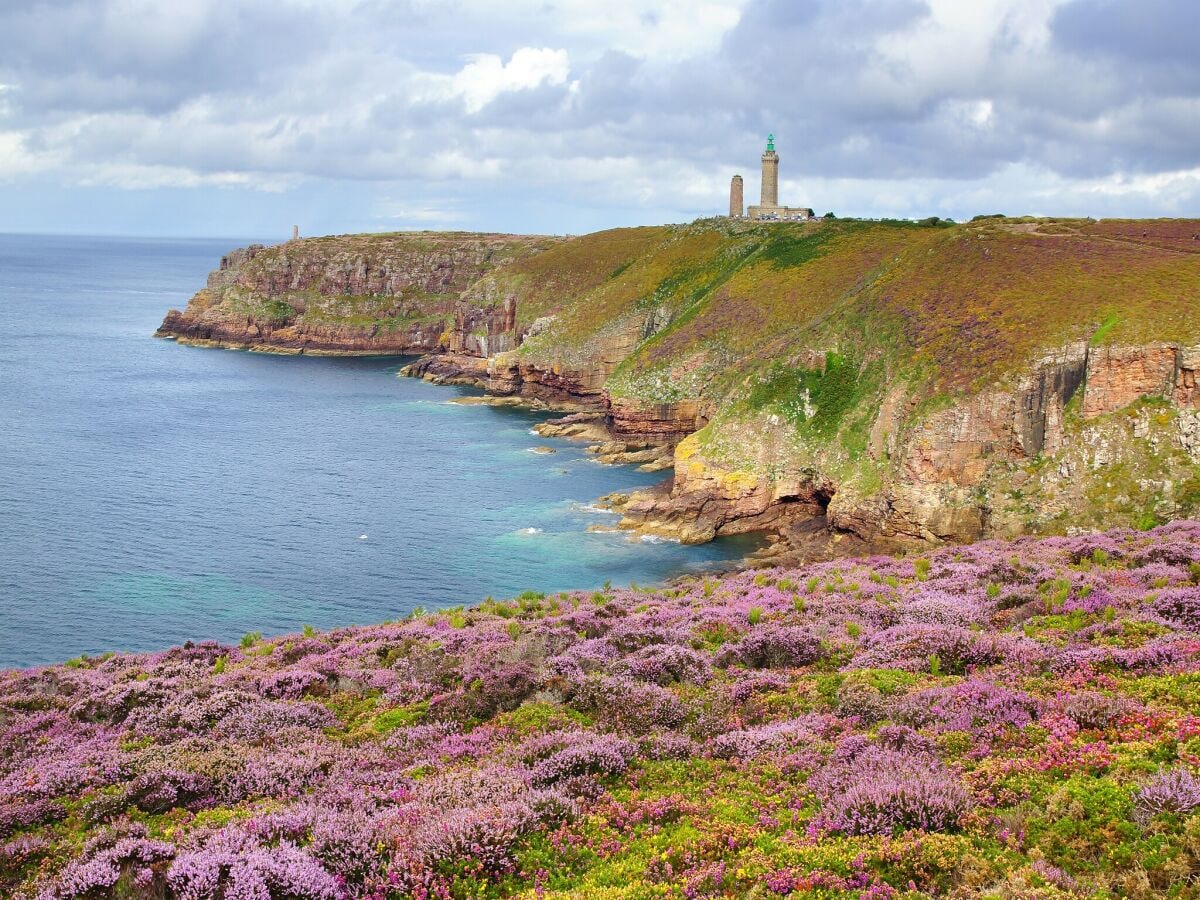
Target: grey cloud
x: 1157, y: 32
x: 299, y: 90
x: 72, y: 55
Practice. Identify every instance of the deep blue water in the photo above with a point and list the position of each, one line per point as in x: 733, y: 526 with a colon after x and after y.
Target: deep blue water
x: 152, y: 493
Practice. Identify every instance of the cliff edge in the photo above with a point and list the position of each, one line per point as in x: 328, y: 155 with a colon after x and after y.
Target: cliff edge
x: 900, y: 383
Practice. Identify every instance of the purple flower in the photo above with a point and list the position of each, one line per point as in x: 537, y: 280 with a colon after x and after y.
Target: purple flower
x: 773, y: 738
x: 771, y: 646
x: 1180, y: 606
x: 1174, y: 791
x: 912, y: 647
x: 970, y: 705
x: 103, y: 869
x: 227, y: 871
x: 587, y: 755
x: 877, y: 789
x: 667, y: 663
x: 631, y: 705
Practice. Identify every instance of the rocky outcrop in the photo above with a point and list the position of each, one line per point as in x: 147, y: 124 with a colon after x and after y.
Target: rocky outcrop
x: 288, y: 336
x: 1187, y: 382
x: 703, y: 501
x: 456, y: 368
x: 1116, y: 376
x: 505, y: 374
x: 663, y: 423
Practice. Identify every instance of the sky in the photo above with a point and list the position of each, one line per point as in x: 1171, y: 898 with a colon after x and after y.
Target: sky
x: 244, y: 117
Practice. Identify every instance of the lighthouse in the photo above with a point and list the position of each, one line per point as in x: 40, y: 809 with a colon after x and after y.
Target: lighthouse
x: 768, y: 208
x: 770, y: 175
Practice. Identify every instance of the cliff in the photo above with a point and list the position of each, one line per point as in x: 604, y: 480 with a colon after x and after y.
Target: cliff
x: 368, y: 294
x: 899, y: 382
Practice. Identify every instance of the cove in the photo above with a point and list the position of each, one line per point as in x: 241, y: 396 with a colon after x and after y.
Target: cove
x: 152, y: 493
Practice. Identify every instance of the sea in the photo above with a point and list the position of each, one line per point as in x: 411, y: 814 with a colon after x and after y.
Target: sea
x: 152, y: 493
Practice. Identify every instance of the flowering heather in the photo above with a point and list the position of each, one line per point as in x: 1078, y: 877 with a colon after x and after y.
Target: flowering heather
x: 970, y: 705
x: 1003, y: 719
x: 774, y: 647
x: 1177, y: 792
x: 879, y: 790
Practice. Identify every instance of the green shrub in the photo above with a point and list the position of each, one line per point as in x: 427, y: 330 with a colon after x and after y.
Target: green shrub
x: 400, y: 717
x: 790, y: 247
x: 831, y: 392
x: 1087, y: 820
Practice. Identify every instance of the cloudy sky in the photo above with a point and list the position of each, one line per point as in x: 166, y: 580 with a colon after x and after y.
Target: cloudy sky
x: 242, y: 117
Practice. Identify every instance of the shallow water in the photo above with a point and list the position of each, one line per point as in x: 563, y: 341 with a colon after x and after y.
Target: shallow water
x: 152, y: 493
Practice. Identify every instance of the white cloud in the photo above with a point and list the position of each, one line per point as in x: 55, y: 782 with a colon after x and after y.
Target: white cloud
x: 487, y: 76
x: 137, y: 177
x: 652, y: 29
x: 1161, y: 184
x: 17, y: 160
x: 413, y: 218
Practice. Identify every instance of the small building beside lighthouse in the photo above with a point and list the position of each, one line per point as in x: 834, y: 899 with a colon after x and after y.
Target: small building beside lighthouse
x: 736, y: 201
x: 768, y: 207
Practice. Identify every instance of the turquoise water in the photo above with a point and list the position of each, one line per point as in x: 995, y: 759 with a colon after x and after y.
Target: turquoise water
x: 152, y: 493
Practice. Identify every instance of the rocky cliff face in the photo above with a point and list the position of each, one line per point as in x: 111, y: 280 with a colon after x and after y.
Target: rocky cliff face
x: 368, y: 294
x: 1082, y: 416
x: 884, y: 383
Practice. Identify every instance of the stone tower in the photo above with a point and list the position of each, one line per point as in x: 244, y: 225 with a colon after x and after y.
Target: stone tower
x: 736, y: 200
x: 770, y: 175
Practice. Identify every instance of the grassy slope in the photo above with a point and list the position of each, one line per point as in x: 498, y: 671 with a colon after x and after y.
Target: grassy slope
x: 756, y: 313
x: 960, y: 306
x: 971, y: 302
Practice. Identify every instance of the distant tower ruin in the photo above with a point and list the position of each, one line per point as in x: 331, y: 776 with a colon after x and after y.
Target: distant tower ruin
x: 736, y: 200
x: 295, y: 232
x: 770, y: 175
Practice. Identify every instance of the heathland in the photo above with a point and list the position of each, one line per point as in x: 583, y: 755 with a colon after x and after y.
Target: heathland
x: 1015, y: 719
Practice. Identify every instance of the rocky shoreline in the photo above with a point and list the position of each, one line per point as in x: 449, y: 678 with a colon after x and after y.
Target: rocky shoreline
x: 921, y: 397
x: 794, y: 533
